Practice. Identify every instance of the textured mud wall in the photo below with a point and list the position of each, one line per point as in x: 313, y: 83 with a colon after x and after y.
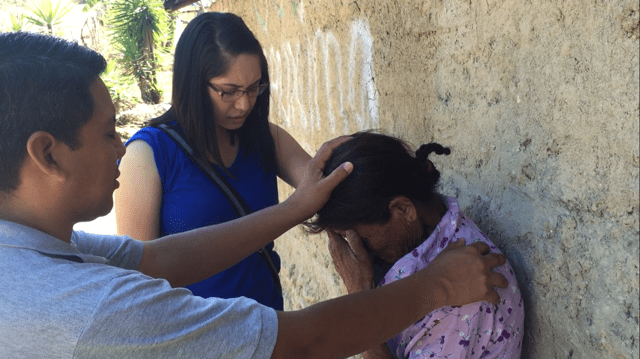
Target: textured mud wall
x: 539, y: 102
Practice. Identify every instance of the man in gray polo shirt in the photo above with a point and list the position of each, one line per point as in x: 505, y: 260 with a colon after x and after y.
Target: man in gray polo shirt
x: 71, y: 294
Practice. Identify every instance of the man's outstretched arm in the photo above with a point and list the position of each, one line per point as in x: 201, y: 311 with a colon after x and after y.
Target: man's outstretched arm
x: 354, y: 323
x: 189, y: 257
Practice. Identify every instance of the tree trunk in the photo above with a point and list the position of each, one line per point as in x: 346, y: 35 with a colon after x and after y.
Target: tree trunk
x: 148, y: 82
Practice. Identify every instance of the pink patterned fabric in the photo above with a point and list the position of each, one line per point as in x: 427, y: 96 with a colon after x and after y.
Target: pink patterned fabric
x: 477, y: 330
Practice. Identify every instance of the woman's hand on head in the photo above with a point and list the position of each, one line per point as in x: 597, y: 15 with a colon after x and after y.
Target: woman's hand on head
x: 464, y: 273
x: 314, y: 190
x: 351, y: 260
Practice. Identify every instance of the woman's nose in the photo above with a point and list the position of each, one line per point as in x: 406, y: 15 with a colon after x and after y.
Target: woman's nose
x: 243, y: 103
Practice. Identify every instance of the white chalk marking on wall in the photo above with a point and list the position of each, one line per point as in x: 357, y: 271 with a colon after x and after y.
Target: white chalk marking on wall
x: 291, y: 79
x: 361, y: 35
x: 331, y: 43
x: 293, y: 59
x: 275, y: 79
x: 312, y: 81
x: 300, y: 11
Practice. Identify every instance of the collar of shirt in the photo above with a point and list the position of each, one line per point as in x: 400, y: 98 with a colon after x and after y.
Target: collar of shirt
x: 22, y: 237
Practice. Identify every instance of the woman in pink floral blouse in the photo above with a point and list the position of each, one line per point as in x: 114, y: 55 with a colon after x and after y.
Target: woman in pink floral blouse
x: 385, y: 222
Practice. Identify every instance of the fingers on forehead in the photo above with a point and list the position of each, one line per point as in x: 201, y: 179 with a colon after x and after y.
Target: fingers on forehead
x: 333, y: 236
x: 333, y: 242
x: 355, y: 242
x: 351, y: 233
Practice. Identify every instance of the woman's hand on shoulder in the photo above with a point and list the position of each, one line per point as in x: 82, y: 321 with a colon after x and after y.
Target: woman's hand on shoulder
x: 291, y: 158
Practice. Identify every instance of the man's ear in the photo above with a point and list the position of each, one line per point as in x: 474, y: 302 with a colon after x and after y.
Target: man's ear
x: 43, y: 150
x: 403, y: 208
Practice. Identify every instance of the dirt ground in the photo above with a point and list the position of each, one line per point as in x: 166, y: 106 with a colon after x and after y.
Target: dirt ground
x: 131, y: 120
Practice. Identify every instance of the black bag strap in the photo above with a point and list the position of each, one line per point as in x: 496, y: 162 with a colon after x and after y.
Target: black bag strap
x: 240, y: 206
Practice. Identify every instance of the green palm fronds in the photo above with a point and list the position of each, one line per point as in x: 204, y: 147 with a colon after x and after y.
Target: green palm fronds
x: 138, y: 30
x: 44, y: 13
x: 18, y: 22
x: 90, y: 4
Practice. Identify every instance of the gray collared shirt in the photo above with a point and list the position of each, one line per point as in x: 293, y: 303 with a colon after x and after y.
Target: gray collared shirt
x: 86, y: 300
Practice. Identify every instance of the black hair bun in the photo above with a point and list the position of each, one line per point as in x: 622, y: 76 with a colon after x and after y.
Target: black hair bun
x: 425, y: 150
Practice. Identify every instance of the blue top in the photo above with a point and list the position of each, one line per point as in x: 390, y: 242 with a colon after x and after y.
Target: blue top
x: 190, y: 200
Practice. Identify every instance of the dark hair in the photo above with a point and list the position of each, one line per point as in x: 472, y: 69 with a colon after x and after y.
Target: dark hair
x: 44, y: 86
x: 383, y: 168
x: 204, y: 51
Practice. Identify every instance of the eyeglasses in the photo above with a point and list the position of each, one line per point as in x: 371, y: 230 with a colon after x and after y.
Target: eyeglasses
x: 252, y: 92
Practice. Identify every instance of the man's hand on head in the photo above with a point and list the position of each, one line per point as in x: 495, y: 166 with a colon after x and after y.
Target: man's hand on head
x: 315, y: 189
x: 351, y: 260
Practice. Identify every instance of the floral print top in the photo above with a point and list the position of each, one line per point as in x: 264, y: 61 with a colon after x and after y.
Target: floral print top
x: 477, y: 330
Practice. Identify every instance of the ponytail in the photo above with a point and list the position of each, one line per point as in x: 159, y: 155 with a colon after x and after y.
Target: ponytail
x: 426, y: 175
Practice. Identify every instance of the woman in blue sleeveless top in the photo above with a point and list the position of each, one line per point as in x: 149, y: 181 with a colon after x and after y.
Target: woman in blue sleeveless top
x: 220, y: 102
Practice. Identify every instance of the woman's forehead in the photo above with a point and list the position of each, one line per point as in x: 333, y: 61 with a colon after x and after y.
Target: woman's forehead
x: 243, y: 70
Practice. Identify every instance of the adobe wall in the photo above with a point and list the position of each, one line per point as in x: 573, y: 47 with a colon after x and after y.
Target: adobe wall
x: 539, y: 102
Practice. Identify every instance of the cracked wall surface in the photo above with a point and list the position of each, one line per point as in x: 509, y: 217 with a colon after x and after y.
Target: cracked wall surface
x: 538, y: 101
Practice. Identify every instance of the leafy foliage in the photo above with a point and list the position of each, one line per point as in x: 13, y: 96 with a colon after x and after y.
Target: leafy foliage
x: 90, y: 4
x: 118, y: 83
x: 138, y: 31
x: 45, y: 14
x: 18, y: 22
